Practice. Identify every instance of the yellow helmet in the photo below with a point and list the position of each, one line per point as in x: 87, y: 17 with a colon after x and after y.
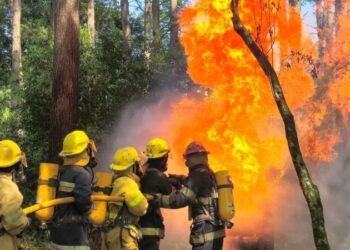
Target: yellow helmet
x: 10, y: 154
x: 124, y: 158
x: 156, y: 148
x: 75, y: 143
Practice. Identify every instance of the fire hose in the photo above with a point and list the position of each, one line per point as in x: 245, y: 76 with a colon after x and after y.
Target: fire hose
x: 67, y: 200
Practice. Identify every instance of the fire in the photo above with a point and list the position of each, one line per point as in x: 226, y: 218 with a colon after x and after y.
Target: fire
x: 338, y: 57
x: 235, y: 116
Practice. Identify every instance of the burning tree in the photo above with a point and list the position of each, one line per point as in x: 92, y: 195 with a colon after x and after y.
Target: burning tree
x: 309, y: 189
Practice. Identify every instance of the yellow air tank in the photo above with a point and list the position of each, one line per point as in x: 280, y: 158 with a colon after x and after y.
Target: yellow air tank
x: 99, y: 209
x: 225, y: 193
x: 47, y: 185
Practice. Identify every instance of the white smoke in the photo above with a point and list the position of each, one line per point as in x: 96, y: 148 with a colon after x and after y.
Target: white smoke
x: 135, y: 125
x: 293, y: 229
x: 145, y: 119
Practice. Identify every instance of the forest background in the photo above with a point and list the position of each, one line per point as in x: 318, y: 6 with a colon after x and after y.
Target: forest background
x: 128, y: 51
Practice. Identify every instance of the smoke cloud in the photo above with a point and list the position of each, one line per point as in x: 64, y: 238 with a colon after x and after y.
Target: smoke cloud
x: 293, y: 226
x: 145, y: 119
x: 134, y: 126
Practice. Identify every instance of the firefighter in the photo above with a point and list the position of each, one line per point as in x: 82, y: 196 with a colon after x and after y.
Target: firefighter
x: 124, y: 232
x: 12, y: 219
x: 154, y: 181
x: 200, y: 194
x: 69, y: 229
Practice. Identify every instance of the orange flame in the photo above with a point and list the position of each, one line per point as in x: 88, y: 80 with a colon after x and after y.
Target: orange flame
x: 338, y: 57
x: 236, y: 117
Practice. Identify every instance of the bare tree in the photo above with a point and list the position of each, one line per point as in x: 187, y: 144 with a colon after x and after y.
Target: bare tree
x: 91, y: 22
x: 156, y: 25
x: 310, y: 190
x: 64, y: 113
x: 126, y: 21
x: 148, y: 6
x: 16, y: 42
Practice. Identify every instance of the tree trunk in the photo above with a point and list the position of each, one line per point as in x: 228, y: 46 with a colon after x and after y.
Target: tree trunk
x: 126, y: 21
x: 320, y: 22
x: 91, y: 22
x: 174, y: 30
x: 148, y: 6
x: 16, y: 43
x: 295, y: 3
x: 156, y: 26
x: 326, y: 25
x: 309, y: 189
x: 64, y: 113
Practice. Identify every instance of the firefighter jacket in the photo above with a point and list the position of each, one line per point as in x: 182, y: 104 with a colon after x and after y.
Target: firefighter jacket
x: 154, y: 181
x: 125, y: 215
x: 199, y: 193
x: 12, y: 219
x: 70, y: 221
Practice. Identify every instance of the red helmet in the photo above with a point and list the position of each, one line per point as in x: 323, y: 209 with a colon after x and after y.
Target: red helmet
x: 195, y: 147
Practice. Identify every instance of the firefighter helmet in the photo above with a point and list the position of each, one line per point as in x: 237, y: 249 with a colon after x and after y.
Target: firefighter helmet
x: 10, y: 154
x: 124, y: 158
x: 75, y: 143
x: 156, y: 148
x: 195, y: 147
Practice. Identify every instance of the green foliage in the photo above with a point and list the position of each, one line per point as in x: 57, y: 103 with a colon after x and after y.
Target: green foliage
x: 111, y: 75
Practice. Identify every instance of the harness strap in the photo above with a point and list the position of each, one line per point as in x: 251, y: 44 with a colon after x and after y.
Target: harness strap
x: 203, y: 217
x: 152, y: 231
x: 70, y: 219
x: 205, y: 200
x: 52, y: 182
x: 202, y: 238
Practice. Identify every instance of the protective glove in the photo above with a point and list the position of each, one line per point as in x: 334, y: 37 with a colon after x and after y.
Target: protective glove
x: 176, y: 183
x: 179, y: 177
x: 156, y: 198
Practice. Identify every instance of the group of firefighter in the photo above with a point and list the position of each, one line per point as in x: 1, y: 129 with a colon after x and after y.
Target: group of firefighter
x: 134, y: 223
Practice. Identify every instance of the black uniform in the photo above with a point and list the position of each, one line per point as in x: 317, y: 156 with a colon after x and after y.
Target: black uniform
x: 199, y: 193
x: 70, y: 221
x: 154, y: 181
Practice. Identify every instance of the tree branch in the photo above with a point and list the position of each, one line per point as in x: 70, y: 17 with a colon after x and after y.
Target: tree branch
x: 309, y: 189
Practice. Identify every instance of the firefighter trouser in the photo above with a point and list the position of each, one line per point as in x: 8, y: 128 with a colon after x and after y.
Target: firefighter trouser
x: 206, y: 236
x: 216, y: 244
x: 119, y: 238
x: 60, y: 247
x: 149, y: 243
x: 8, y: 242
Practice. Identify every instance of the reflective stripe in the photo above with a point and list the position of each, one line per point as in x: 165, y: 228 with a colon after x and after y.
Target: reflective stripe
x: 52, y: 182
x: 205, y: 200
x: 136, y: 200
x: 65, y: 186
x: 202, y: 238
x: 61, y: 247
x: 152, y: 231
x: 165, y: 201
x: 188, y: 193
x: 203, y: 217
x: 112, y: 215
x: 15, y: 215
